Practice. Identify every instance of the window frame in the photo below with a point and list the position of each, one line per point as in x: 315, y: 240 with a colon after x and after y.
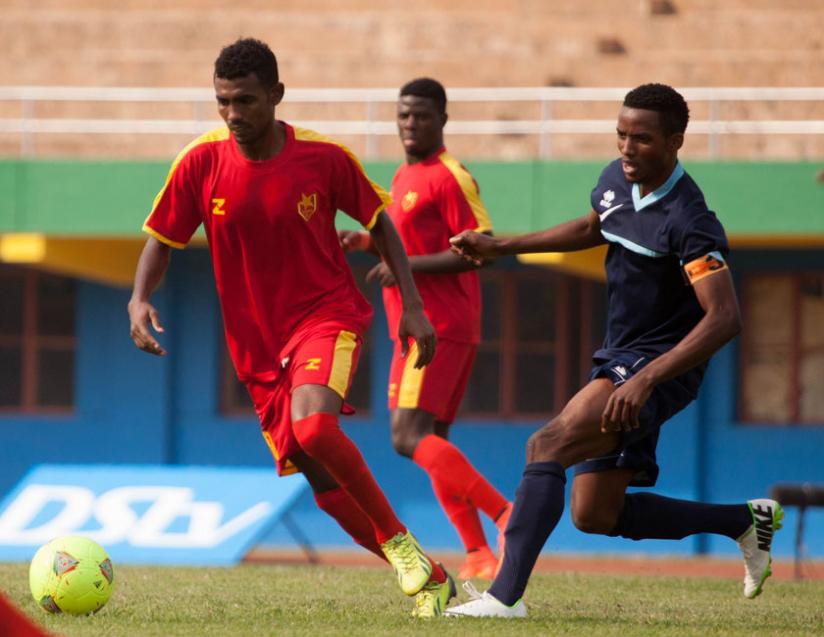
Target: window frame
x: 31, y: 342
x: 794, y: 418
x: 571, y: 367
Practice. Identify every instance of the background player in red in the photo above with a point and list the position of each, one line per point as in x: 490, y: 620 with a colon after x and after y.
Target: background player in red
x: 267, y: 194
x: 435, y: 197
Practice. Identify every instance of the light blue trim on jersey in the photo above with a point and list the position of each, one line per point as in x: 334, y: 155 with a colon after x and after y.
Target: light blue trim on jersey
x: 631, y: 245
x: 662, y: 191
x: 715, y: 254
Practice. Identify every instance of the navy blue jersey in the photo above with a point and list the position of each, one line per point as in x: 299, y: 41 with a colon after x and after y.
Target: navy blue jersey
x: 652, y: 305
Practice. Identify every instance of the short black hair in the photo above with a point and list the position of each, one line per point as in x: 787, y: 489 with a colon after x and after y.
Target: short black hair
x: 672, y: 109
x: 246, y: 56
x: 428, y: 88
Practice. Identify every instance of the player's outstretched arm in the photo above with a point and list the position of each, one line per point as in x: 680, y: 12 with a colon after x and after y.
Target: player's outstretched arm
x: 150, y: 270
x: 578, y: 234
x: 720, y: 324
x: 413, y: 320
x: 447, y: 262
x: 444, y: 262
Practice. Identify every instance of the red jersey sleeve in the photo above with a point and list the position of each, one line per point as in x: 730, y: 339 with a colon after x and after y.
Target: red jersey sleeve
x: 175, y: 213
x: 459, y: 199
x: 356, y: 194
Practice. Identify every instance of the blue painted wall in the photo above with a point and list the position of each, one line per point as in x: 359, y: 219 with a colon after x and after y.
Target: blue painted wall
x: 131, y: 407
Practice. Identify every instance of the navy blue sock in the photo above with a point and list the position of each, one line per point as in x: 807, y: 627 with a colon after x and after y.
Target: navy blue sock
x: 650, y: 516
x: 539, y: 502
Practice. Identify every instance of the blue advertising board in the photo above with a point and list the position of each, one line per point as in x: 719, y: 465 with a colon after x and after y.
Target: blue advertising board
x: 146, y: 514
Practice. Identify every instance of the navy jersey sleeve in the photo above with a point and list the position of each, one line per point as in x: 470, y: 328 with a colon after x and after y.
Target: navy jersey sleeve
x: 600, y: 186
x: 703, y: 235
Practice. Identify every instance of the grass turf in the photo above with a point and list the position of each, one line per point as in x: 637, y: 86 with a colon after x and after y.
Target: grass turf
x: 259, y: 601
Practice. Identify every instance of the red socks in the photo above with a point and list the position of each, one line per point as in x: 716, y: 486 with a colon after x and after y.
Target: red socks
x: 321, y: 437
x: 340, y: 505
x: 464, y: 517
x: 454, y: 478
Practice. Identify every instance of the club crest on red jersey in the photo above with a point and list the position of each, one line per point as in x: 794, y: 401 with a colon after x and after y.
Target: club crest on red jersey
x: 409, y: 200
x: 308, y: 205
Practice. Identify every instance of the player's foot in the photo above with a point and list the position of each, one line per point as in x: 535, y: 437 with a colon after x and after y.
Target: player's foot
x: 480, y: 563
x: 484, y: 605
x: 755, y: 544
x: 432, y: 599
x: 409, y: 561
x: 501, y: 523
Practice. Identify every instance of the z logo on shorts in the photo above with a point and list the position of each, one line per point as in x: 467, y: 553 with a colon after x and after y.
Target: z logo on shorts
x: 313, y: 364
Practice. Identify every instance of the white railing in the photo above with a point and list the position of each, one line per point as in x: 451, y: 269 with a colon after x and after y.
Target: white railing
x: 202, y: 118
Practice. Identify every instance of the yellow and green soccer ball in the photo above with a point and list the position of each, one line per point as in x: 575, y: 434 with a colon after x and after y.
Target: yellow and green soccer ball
x: 71, y: 574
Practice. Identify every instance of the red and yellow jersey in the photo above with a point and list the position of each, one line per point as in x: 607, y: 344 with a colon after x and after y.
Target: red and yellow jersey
x: 278, y: 264
x: 432, y: 201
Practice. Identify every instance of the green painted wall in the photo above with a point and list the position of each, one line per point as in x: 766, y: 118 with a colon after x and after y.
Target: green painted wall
x: 113, y: 198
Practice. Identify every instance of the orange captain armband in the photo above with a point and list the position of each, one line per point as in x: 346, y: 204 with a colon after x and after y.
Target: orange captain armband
x: 704, y: 266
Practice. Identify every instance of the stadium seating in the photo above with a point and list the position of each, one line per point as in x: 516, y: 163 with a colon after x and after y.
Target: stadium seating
x: 472, y: 43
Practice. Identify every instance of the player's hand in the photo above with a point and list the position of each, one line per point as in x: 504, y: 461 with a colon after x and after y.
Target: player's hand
x: 141, y: 314
x: 623, y: 408
x: 415, y: 324
x: 474, y: 247
x: 353, y: 240
x: 383, y: 274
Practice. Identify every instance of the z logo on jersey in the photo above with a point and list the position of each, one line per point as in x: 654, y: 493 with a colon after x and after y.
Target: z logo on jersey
x: 308, y: 205
x: 218, y: 210
x: 313, y: 364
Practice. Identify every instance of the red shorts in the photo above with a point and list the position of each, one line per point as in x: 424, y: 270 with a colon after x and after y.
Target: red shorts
x: 437, y: 388
x: 326, y: 356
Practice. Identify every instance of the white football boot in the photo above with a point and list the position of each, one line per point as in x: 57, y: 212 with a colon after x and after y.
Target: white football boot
x: 755, y: 544
x: 484, y: 605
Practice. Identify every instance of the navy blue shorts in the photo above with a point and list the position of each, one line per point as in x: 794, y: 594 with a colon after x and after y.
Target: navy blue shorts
x: 637, y: 450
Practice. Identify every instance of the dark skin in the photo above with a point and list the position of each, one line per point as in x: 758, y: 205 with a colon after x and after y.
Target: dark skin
x: 247, y: 107
x: 591, y: 423
x: 420, y: 128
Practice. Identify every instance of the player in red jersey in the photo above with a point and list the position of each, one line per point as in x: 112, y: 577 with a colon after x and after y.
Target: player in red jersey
x: 266, y: 194
x: 15, y: 623
x: 434, y: 196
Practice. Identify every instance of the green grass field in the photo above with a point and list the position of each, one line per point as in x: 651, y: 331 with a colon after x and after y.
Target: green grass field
x: 300, y: 600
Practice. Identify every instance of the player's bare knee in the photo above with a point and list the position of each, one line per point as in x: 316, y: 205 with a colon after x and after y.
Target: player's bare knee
x: 547, y: 444
x: 404, y: 442
x: 404, y: 437
x: 541, y: 445
x: 409, y: 427
x: 592, y: 521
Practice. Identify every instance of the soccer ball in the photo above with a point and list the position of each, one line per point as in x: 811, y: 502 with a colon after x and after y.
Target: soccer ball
x: 71, y: 574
